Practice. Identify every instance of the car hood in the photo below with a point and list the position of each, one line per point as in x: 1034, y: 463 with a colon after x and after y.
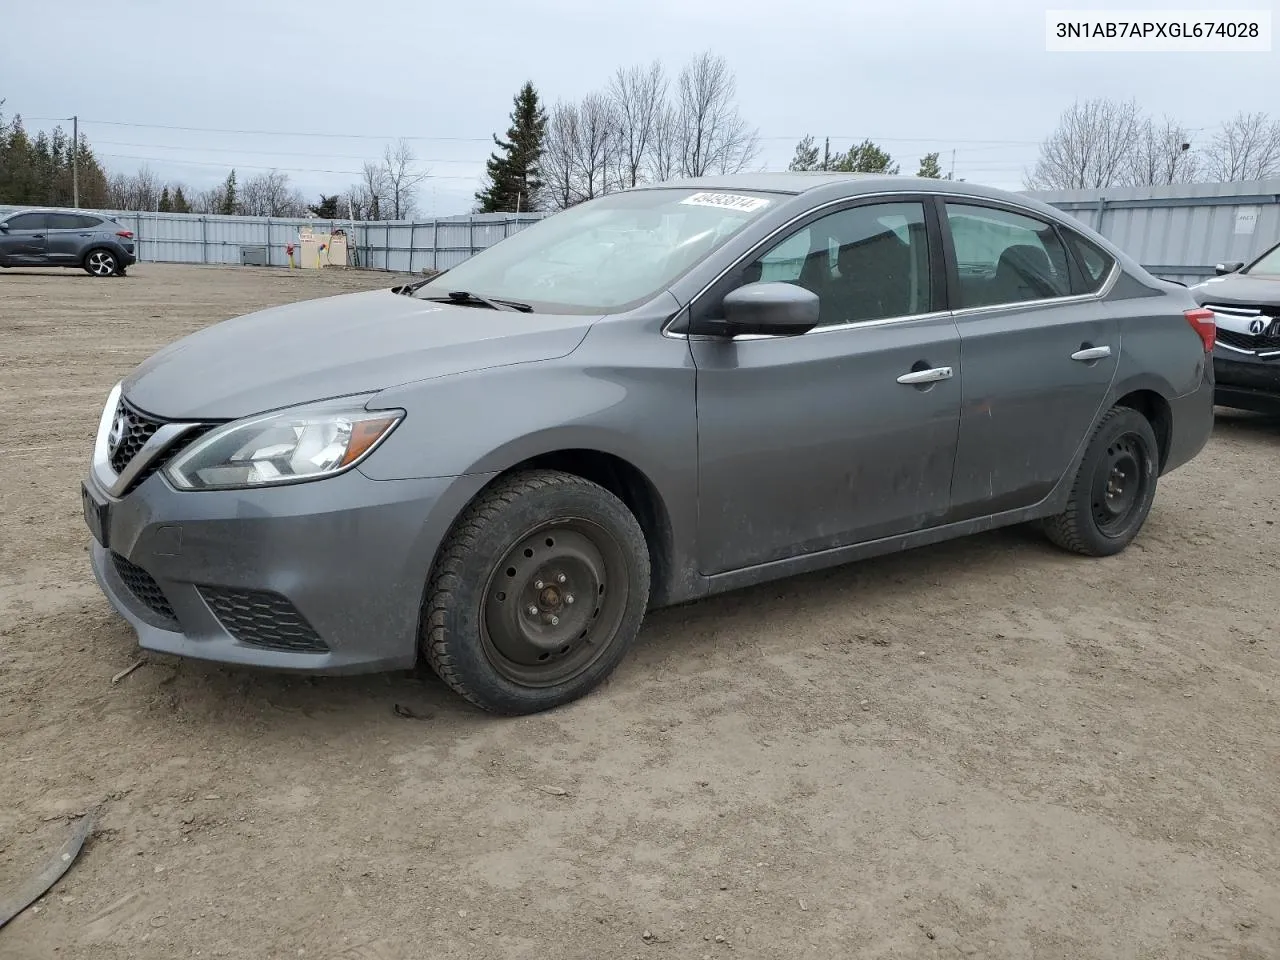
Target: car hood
x: 337, y: 346
x: 1238, y: 289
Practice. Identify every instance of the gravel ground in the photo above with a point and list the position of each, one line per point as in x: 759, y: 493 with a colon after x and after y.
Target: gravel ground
x: 986, y: 748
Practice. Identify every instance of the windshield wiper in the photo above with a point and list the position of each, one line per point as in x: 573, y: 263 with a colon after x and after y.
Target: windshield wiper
x: 474, y: 299
x: 408, y: 288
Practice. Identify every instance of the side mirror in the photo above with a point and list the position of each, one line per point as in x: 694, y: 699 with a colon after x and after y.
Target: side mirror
x: 778, y: 309
x: 1229, y: 267
x: 4, y: 228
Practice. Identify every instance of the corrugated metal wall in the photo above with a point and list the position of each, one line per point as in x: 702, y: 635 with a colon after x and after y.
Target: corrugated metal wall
x: 398, y: 246
x: 1179, y: 232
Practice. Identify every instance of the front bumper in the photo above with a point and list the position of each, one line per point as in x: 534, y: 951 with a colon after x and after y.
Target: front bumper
x: 322, y: 577
x: 1246, y: 382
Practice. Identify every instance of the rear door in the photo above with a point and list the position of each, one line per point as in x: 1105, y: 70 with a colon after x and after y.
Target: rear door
x: 24, y: 242
x: 1040, y: 352
x: 68, y: 235
x: 844, y: 434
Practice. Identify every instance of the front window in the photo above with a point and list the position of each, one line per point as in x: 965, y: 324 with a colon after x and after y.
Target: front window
x: 606, y: 255
x: 1268, y: 264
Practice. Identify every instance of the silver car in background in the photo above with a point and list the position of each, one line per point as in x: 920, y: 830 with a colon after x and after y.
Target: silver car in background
x: 658, y: 395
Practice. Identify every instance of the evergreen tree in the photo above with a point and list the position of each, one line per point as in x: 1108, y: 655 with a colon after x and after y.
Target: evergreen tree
x: 229, y: 197
x: 327, y: 208
x: 807, y: 156
x: 512, y: 175
x: 180, y: 204
x: 866, y: 157
x: 929, y: 167
x: 166, y: 204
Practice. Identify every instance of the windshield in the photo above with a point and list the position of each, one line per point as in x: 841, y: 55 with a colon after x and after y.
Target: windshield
x: 1268, y: 264
x: 606, y: 255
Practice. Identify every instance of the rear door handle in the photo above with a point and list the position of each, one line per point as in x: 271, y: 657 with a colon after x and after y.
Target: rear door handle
x: 926, y: 376
x: 1091, y: 353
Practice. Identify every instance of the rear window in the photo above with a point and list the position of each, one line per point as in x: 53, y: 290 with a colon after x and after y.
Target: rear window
x: 73, y: 221
x: 1095, y: 263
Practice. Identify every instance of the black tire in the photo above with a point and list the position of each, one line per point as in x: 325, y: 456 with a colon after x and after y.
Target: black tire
x: 1113, y: 489
x: 100, y: 262
x: 502, y: 624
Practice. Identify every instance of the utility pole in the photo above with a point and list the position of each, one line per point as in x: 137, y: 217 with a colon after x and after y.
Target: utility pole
x: 952, y: 175
x: 826, y: 152
x: 75, y: 162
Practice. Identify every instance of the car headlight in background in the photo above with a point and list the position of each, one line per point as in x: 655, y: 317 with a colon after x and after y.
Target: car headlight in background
x: 288, y: 446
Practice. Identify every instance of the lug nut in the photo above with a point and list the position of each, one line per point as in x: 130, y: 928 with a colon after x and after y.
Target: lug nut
x: 555, y: 621
x: 538, y: 585
x: 561, y: 578
x: 533, y: 611
x: 568, y: 598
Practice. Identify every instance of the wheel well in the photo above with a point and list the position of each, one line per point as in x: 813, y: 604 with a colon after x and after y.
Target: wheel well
x: 632, y: 487
x: 1156, y: 409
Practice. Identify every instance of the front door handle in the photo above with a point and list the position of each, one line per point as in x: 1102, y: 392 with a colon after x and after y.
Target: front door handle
x: 1091, y: 353
x: 926, y: 376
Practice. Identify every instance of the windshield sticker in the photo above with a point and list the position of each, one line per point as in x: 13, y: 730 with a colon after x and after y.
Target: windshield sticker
x: 728, y: 201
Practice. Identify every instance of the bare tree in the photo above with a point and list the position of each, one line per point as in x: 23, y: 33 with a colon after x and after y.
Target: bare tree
x: 663, y: 161
x: 1246, y: 148
x: 559, y: 150
x: 1161, y: 154
x: 713, y: 137
x: 1090, y: 148
x: 638, y: 96
x: 270, y: 195
x: 369, y: 196
x: 139, y: 191
x: 401, y: 177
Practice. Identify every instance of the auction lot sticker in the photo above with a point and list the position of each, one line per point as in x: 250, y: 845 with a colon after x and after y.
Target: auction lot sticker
x: 728, y: 201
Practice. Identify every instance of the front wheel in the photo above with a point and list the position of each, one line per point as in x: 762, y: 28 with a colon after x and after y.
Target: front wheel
x: 538, y: 592
x: 1113, y: 489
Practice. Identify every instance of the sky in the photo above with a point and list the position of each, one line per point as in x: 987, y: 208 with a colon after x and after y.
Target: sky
x: 315, y: 88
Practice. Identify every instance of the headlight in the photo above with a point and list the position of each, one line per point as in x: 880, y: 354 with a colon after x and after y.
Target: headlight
x: 289, y: 446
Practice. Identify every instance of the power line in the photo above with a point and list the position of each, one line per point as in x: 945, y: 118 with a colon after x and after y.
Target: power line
x: 370, y: 136
x: 249, y: 166
x: 269, y: 153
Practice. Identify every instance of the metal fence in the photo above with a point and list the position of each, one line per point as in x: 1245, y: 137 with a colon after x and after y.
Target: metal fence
x: 1179, y: 232
x: 405, y: 247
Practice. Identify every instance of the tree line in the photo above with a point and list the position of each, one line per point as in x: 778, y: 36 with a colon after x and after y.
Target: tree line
x: 642, y: 126
x: 1112, y: 143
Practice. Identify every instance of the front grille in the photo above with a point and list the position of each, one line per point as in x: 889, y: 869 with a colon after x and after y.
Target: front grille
x: 144, y: 588
x: 262, y: 619
x: 136, y: 429
x: 1262, y: 342
x: 159, y: 460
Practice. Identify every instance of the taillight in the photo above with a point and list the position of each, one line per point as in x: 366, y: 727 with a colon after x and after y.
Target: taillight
x: 1204, y: 324
x: 127, y: 234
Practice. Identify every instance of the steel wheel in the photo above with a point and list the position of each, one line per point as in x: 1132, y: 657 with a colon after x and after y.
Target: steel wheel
x: 100, y: 263
x: 554, y: 602
x: 1117, y: 483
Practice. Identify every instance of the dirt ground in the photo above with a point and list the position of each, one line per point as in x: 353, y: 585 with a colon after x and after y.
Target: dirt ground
x: 987, y: 748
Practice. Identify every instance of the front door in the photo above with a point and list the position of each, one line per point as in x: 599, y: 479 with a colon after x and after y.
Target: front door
x: 24, y: 241
x: 846, y: 433
x: 1039, y: 355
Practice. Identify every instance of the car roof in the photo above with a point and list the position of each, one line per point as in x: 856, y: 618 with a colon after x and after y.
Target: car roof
x: 88, y: 213
x: 797, y: 182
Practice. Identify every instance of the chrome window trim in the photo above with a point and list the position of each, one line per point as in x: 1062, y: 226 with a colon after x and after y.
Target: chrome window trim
x: 1113, y: 275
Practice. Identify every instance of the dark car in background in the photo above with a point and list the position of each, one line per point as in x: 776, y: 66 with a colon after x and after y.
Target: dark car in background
x: 93, y: 242
x: 1245, y: 299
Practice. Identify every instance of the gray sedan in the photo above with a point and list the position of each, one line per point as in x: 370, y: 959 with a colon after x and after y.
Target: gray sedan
x: 658, y: 395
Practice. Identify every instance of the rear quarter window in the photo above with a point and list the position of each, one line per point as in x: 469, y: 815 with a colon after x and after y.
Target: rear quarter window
x: 1094, y: 262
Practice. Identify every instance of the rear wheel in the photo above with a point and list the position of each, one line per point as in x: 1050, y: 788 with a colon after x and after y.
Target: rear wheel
x: 101, y: 263
x: 1114, y: 487
x: 538, y: 593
